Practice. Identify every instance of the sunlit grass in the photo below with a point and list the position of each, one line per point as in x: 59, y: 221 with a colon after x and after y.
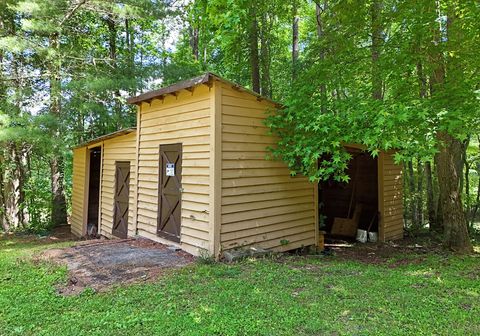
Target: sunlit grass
x: 287, y: 296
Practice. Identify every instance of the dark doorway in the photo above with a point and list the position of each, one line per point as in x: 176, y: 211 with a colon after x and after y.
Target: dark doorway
x: 121, y: 199
x: 170, y: 188
x: 94, y: 190
x: 354, y: 204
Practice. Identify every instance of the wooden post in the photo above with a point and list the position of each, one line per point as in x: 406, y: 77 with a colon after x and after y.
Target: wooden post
x: 215, y: 169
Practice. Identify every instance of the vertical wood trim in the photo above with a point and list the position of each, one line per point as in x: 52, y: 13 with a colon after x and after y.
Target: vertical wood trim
x: 137, y: 160
x: 215, y: 169
x: 100, y: 199
x: 381, y: 203
x: 86, y: 189
x: 316, y: 219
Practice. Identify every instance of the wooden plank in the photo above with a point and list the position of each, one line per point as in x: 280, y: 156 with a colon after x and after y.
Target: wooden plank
x: 249, y: 164
x: 264, y: 213
x: 174, y: 118
x: 215, y: 170
x: 256, y: 181
x: 254, y: 172
x: 242, y: 207
x: 264, y: 196
x: 235, y: 235
x: 248, y: 138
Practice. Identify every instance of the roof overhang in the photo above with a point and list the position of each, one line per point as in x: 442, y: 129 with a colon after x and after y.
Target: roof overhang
x: 107, y: 137
x: 189, y: 84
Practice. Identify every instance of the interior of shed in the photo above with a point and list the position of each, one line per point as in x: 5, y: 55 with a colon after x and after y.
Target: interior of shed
x: 345, y: 207
x: 94, y: 191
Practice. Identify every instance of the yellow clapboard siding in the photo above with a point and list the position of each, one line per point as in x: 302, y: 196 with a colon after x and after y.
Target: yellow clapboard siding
x: 173, y: 119
x: 261, y: 203
x: 236, y: 155
x: 249, y: 164
x: 186, y: 120
x: 248, y: 138
x: 266, y: 221
x: 264, y: 196
x: 238, y: 208
x: 255, y: 214
x: 200, y: 124
x: 254, y: 172
x: 264, y: 180
x: 78, y: 191
x: 267, y: 228
x: 275, y: 232
x: 391, y: 198
x: 121, y: 148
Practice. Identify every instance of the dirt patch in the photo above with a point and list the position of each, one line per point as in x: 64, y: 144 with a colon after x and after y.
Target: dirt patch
x: 99, y: 264
x: 395, y: 254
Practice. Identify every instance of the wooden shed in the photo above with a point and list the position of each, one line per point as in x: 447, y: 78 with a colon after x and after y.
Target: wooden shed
x: 104, y: 171
x: 204, y: 183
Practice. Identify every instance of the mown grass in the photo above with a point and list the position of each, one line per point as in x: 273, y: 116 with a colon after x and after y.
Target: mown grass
x: 288, y: 296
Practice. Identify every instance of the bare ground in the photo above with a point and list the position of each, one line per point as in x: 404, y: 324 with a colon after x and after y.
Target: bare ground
x: 99, y: 264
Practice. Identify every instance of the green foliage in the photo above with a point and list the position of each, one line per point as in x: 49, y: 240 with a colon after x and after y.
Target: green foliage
x: 314, y: 125
x: 418, y: 294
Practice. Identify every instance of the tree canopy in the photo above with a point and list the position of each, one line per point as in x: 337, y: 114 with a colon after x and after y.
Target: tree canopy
x: 386, y: 74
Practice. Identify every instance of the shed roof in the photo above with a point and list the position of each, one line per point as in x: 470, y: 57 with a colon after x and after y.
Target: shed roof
x: 121, y: 132
x: 207, y: 79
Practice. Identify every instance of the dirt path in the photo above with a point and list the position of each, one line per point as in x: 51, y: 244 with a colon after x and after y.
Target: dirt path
x: 99, y: 264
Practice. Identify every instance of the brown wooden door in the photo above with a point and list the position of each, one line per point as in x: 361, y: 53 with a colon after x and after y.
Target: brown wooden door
x: 170, y: 192
x: 122, y: 190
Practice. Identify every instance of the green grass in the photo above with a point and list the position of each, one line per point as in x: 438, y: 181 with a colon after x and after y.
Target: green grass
x: 292, y: 296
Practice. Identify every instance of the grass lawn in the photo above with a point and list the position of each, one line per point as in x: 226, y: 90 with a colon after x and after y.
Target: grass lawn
x: 423, y: 294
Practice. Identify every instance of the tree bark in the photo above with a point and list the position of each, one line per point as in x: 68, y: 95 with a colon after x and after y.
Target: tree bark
x: 254, y: 57
x: 455, y: 226
x: 320, y: 35
x: 449, y: 157
x: 419, y: 198
x: 295, y: 45
x: 413, y: 194
x: 112, y: 46
x: 477, y: 199
x: 265, y: 59
x: 377, y: 41
x: 194, y: 36
x: 59, y: 209
x: 430, y: 196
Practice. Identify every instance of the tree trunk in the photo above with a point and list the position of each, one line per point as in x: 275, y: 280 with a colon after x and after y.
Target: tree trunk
x: 265, y: 59
x: 59, y: 209
x: 320, y: 35
x: 295, y: 46
x: 413, y: 194
x: 254, y: 58
x: 477, y: 199
x: 194, y: 36
x: 419, y: 198
x: 377, y: 41
x: 112, y: 46
x: 430, y: 196
x: 455, y: 226
x: 449, y: 157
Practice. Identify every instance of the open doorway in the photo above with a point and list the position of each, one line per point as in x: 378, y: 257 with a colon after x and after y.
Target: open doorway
x: 94, y: 191
x: 345, y: 207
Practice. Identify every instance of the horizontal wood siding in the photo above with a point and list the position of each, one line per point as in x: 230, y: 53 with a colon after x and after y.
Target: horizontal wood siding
x: 262, y: 205
x: 392, y: 198
x: 78, y: 191
x: 121, y: 148
x: 184, y: 119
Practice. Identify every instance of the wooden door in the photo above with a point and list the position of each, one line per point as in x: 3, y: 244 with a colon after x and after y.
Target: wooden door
x: 170, y: 192
x: 122, y: 190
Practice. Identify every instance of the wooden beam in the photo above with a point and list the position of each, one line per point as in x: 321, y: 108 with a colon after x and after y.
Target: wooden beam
x: 215, y: 170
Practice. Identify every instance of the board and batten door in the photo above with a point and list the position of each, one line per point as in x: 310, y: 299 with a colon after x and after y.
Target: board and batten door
x: 121, y: 198
x: 170, y: 192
